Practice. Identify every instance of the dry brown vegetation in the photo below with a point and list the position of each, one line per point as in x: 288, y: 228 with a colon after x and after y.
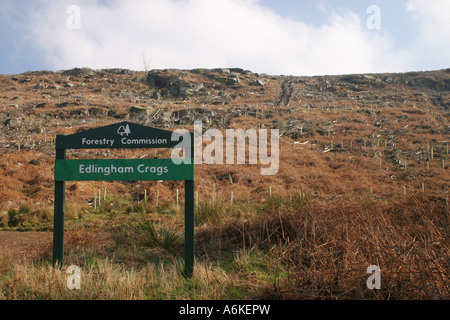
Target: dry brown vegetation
x: 363, y: 180
x: 325, y: 249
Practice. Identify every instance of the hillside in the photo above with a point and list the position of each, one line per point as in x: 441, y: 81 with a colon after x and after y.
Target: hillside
x: 340, y: 135
x: 362, y: 181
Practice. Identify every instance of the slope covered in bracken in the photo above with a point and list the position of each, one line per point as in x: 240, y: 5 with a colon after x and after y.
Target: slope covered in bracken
x: 341, y: 136
x: 362, y: 180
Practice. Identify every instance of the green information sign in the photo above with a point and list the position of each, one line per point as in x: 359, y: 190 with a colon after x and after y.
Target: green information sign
x: 120, y: 135
x: 122, y: 170
x: 123, y: 135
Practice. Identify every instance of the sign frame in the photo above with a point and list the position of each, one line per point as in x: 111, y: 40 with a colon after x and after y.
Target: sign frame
x: 117, y: 136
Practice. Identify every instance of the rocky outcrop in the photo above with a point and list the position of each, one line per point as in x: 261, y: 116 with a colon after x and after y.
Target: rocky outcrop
x: 429, y: 83
x: 79, y: 72
x: 171, y: 84
x: 141, y: 112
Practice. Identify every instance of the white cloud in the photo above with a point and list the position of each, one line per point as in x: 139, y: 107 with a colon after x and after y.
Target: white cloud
x: 432, y: 44
x: 188, y: 34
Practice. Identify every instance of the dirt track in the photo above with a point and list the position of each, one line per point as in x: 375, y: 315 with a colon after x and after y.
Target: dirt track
x: 21, y: 245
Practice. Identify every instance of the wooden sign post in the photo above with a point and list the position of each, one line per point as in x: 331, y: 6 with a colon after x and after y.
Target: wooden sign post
x: 123, y: 135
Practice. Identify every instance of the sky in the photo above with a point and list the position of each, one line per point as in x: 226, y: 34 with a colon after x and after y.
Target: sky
x: 275, y: 37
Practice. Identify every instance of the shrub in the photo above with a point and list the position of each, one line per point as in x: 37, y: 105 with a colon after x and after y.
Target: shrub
x: 209, y: 212
x: 145, y: 233
x: 12, y: 218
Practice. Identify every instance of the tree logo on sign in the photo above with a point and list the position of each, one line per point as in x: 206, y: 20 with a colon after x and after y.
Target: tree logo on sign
x: 124, y: 130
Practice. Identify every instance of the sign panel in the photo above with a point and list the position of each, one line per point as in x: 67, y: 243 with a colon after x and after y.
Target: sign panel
x: 122, y: 170
x: 120, y: 135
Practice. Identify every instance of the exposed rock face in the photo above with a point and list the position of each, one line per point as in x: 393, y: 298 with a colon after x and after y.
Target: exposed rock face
x: 79, y: 72
x: 171, y: 84
x: 223, y: 96
x: 13, y: 122
x: 430, y: 83
x: 98, y: 112
x: 140, y: 112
